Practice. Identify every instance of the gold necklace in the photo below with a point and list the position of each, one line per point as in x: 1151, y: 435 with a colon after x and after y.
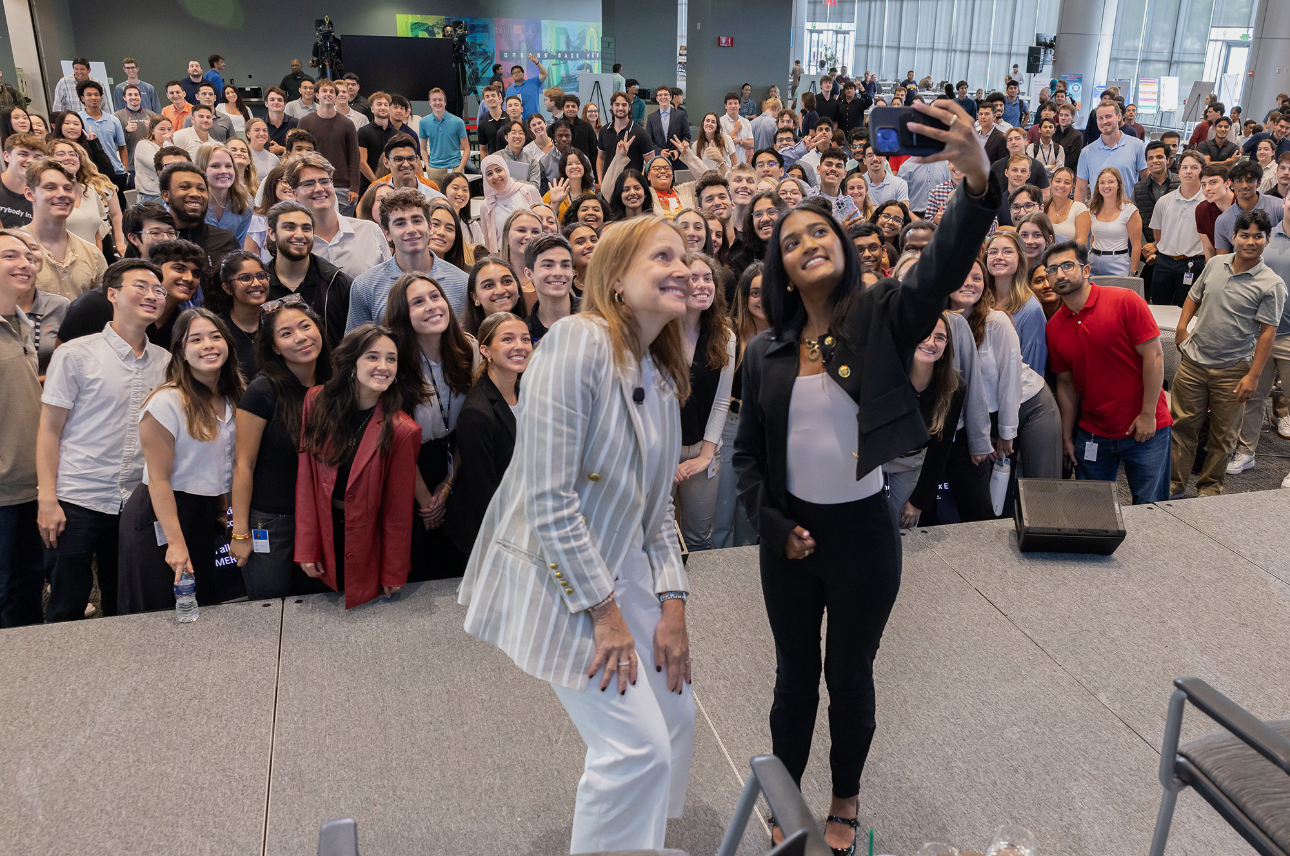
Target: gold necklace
x: 812, y: 349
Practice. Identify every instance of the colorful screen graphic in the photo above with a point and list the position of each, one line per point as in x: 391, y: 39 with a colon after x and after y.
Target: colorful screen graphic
x: 565, y: 48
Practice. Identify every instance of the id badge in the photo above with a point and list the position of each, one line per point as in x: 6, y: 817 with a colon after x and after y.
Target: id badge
x: 259, y: 540
x: 712, y: 468
x: 1187, y: 278
x: 161, y: 533
x: 1090, y: 451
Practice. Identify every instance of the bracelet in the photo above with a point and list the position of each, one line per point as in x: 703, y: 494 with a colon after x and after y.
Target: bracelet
x: 237, y: 537
x: 604, y: 602
x: 682, y: 596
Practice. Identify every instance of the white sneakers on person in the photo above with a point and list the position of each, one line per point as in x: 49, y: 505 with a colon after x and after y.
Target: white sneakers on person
x: 1240, y: 463
x: 1283, y: 427
x: 1285, y: 482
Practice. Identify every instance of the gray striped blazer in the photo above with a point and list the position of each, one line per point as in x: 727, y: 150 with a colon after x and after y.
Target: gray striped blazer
x: 570, y: 506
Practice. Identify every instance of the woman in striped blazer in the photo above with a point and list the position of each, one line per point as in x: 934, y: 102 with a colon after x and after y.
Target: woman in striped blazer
x: 576, y: 571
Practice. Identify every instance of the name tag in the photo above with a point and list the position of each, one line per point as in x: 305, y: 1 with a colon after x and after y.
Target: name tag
x: 161, y: 533
x: 1187, y: 278
x: 259, y: 540
x: 1090, y: 451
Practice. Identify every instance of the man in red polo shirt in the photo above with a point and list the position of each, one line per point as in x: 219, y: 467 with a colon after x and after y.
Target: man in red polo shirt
x: 1105, y: 347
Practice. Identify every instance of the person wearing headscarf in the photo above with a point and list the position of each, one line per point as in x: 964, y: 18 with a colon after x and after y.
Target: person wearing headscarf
x: 502, y: 195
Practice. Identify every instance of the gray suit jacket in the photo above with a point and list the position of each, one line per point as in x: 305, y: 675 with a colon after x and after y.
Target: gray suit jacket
x: 572, y: 504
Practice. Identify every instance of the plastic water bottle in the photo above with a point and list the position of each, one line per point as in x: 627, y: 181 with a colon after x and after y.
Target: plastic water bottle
x: 186, y: 599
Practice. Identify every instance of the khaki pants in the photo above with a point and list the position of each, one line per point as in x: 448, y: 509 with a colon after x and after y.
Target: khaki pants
x: 438, y: 176
x: 1256, y: 407
x: 1195, y: 391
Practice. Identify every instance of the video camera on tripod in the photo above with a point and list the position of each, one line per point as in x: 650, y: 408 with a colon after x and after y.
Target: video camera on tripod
x: 326, y: 56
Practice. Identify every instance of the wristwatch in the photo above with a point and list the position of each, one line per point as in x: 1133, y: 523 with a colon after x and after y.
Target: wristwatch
x: 682, y: 596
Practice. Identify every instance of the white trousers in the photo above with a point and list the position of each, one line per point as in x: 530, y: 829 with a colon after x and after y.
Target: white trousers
x: 639, y: 745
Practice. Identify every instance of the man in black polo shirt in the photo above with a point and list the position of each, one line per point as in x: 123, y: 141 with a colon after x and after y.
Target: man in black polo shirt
x: 622, y: 128
x: 280, y: 124
x: 372, y: 138
x: 492, y: 122
x: 295, y: 269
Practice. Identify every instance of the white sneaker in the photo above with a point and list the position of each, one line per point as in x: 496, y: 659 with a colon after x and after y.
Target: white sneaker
x: 1283, y: 427
x: 1285, y: 482
x: 1240, y: 463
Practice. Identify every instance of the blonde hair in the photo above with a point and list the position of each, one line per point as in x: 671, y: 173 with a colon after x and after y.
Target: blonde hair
x: 87, y: 174
x: 1019, y: 289
x: 239, y: 198
x: 250, y: 177
x: 614, y: 259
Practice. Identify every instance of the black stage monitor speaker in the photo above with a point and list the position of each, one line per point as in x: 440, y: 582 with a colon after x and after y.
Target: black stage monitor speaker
x: 1034, y: 60
x: 1063, y: 516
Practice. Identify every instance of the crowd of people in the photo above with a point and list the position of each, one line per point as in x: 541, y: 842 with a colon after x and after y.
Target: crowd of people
x: 311, y: 346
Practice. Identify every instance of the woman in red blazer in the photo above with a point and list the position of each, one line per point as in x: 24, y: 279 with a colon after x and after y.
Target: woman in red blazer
x: 357, y: 470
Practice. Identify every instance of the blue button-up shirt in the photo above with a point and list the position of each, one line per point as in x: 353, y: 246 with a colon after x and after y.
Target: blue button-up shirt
x: 747, y: 107
x: 110, y: 133
x: 1128, y: 155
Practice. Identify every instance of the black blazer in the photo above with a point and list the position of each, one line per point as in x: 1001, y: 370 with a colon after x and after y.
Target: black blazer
x: 678, y: 126
x: 870, y: 359
x: 485, y: 442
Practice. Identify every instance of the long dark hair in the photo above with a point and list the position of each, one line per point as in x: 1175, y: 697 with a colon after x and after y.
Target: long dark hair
x: 288, y: 394
x: 786, y: 309
x: 618, y: 211
x: 714, y: 320
x: 454, y: 350
x: 198, y: 399
x: 6, y: 122
x: 945, y: 380
x: 329, y: 436
x: 456, y: 255
x: 754, y: 245
x: 475, y: 315
x: 588, y: 174
x: 745, y: 323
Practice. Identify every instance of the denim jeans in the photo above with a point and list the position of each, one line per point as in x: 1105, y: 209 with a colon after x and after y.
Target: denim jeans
x: 22, y: 566
x: 1146, y: 465
x: 89, y: 536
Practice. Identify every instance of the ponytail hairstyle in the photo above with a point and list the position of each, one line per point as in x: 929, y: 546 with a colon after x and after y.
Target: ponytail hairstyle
x: 198, y: 399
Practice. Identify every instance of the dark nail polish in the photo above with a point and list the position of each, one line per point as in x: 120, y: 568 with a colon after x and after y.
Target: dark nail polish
x: 658, y: 668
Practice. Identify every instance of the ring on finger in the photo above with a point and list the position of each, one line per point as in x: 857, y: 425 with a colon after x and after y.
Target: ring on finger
x: 954, y: 117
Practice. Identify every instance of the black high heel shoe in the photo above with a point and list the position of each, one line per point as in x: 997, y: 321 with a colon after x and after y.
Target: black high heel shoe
x: 854, y: 823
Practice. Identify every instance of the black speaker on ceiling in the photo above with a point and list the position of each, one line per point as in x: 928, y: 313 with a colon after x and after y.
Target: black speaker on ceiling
x: 1034, y: 60
x: 1064, y: 516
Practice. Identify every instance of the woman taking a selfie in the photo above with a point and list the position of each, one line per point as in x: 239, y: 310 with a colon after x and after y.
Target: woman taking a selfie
x: 810, y: 449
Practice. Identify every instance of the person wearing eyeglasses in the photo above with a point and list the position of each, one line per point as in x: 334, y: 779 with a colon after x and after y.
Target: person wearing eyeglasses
x: 246, y: 288
x: 293, y: 356
x: 1105, y: 350
x: 1015, y: 178
x: 88, y: 460
x: 182, y: 265
x: 350, y: 244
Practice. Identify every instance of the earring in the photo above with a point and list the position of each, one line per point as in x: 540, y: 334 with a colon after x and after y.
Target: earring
x: 618, y: 297
x: 790, y: 287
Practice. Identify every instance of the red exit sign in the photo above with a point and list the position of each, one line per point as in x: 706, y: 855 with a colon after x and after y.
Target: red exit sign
x: 725, y: 41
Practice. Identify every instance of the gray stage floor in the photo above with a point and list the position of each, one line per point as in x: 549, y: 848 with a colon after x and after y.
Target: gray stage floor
x: 1010, y: 687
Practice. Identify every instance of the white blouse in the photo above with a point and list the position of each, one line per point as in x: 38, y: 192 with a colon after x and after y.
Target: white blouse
x: 1115, y: 234
x: 1066, y: 228
x: 823, y: 442
x: 201, y: 468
